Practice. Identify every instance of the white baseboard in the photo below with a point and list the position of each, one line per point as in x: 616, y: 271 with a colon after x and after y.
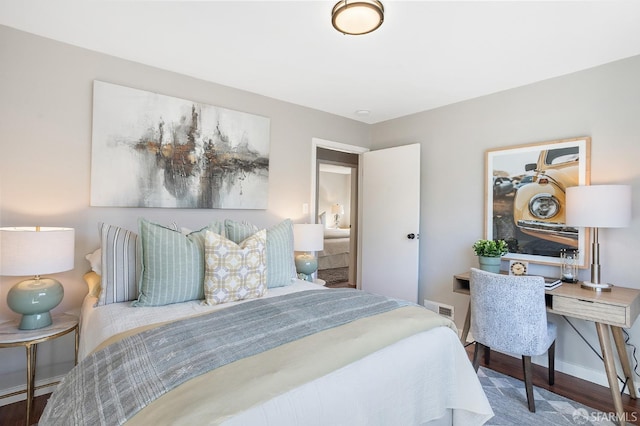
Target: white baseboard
x: 593, y: 376
x: 45, y: 376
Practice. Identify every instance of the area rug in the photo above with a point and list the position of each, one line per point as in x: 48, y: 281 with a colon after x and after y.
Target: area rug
x: 334, y: 276
x: 508, y: 399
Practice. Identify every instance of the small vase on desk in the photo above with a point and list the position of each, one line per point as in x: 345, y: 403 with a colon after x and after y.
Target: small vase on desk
x: 489, y: 264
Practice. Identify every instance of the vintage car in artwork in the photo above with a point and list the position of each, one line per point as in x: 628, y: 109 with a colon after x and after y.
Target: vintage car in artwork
x: 502, y: 186
x: 539, y: 206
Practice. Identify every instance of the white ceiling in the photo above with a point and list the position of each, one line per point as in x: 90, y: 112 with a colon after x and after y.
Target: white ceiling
x: 425, y: 55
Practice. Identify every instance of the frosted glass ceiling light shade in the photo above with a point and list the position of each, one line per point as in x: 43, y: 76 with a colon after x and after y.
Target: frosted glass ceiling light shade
x: 357, y: 17
x: 598, y: 206
x: 34, y: 251
x: 307, y: 238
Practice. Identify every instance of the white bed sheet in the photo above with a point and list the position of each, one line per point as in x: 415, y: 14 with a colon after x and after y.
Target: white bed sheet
x: 424, y: 379
x: 336, y: 233
x: 97, y: 324
x: 335, y: 254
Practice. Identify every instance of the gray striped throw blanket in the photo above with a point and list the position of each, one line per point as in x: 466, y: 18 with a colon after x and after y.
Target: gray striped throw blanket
x: 113, y: 384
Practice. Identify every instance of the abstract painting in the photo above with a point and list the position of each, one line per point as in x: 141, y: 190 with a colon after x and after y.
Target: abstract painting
x: 152, y: 150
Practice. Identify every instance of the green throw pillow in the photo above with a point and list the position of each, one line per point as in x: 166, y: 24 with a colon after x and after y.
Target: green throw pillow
x: 172, y: 264
x: 281, y: 267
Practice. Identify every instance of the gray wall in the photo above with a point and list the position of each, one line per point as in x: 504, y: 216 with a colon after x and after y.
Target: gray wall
x: 45, y: 155
x: 603, y: 103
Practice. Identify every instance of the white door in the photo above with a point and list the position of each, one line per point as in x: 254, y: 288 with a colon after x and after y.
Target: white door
x: 391, y: 221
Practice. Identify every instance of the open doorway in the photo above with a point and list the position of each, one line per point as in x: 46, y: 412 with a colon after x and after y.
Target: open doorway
x: 337, y: 209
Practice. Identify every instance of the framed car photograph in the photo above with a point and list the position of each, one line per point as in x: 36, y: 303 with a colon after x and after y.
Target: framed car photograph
x: 525, y: 199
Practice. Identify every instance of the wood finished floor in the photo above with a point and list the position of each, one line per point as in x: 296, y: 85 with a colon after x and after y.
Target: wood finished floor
x: 570, y: 387
x: 341, y: 285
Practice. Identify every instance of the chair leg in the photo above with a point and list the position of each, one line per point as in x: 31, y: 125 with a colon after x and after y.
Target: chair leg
x: 477, y: 353
x: 551, y: 353
x: 528, y: 382
x: 487, y: 355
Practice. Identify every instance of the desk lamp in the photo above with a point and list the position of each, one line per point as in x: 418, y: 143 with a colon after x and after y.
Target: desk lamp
x: 33, y: 251
x: 598, y: 206
x: 307, y: 238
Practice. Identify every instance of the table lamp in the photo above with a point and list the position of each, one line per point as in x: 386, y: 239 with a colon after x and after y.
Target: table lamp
x: 337, y: 210
x: 34, y: 251
x: 598, y: 206
x: 307, y: 238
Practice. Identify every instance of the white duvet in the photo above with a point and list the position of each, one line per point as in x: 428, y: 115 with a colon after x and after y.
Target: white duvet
x: 424, y: 379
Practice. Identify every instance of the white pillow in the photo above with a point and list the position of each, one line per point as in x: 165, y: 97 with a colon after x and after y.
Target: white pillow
x: 95, y: 259
x: 322, y: 218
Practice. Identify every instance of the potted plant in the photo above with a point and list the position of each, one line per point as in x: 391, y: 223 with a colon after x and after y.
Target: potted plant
x: 489, y: 253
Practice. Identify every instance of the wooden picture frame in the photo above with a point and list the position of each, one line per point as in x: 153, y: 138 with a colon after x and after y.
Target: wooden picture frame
x: 525, y: 198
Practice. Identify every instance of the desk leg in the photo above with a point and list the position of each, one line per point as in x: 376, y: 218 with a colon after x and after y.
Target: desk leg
x: 610, y: 367
x: 624, y: 359
x: 467, y: 325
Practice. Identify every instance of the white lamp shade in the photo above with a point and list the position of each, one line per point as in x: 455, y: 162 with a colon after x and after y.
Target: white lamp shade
x: 337, y: 209
x: 598, y: 206
x: 308, y: 237
x: 29, y: 251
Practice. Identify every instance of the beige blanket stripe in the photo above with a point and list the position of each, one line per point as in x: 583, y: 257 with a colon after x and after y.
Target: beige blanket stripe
x: 222, y: 393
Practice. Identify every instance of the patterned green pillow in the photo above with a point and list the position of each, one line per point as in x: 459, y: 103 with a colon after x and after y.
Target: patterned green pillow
x: 234, y: 271
x: 281, y: 267
x: 172, y: 264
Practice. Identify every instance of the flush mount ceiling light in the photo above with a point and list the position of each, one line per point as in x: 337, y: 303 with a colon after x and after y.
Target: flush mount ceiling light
x: 357, y: 17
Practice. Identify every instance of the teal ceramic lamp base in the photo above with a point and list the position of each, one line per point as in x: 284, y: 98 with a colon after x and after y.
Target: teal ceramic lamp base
x: 306, y: 264
x: 34, y: 298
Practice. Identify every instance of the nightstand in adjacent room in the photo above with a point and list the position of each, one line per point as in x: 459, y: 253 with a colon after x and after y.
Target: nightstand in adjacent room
x: 11, y: 336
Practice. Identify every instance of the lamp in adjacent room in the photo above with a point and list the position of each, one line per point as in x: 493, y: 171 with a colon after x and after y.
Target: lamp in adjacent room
x: 356, y: 17
x: 337, y: 210
x: 307, y: 239
x: 32, y: 251
x: 598, y: 206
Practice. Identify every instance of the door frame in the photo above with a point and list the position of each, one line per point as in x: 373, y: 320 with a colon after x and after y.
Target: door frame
x: 336, y: 146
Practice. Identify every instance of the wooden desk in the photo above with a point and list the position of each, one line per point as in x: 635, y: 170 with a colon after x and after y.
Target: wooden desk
x: 613, y: 310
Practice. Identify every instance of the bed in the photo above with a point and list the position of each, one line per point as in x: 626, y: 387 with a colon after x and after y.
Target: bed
x: 333, y: 260
x: 297, y: 354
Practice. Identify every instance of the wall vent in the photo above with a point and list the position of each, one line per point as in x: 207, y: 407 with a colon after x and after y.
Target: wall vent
x: 439, y: 308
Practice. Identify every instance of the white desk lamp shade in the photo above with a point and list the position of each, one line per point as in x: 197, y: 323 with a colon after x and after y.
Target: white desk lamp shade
x: 598, y: 206
x: 32, y: 251
x: 307, y: 238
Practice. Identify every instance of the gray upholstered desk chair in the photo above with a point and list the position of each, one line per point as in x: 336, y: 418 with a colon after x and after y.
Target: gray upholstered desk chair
x: 508, y: 314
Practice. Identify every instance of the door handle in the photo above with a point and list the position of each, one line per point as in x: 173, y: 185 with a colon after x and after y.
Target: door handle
x: 412, y: 236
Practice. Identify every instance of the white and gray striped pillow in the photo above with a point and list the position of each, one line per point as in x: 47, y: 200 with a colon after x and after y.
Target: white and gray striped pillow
x: 120, y: 264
